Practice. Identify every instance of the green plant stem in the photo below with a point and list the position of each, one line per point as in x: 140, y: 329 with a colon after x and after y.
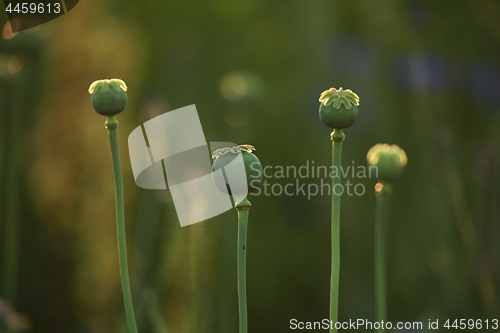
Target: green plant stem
x: 243, y: 209
x: 337, y: 137
x: 112, y: 125
x: 381, y: 254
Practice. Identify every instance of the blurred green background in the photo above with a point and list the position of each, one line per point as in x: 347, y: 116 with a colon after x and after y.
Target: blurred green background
x: 428, y: 77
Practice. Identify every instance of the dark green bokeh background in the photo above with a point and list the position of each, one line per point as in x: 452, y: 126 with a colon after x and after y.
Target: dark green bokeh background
x: 428, y: 77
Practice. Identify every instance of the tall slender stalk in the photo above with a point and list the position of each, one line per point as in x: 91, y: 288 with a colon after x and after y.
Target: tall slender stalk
x: 243, y: 209
x: 337, y: 137
x: 253, y: 178
x: 112, y: 125
x: 338, y: 110
x: 389, y: 161
x: 383, y: 196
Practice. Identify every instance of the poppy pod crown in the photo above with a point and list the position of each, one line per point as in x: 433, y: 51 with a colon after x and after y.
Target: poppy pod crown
x: 109, y: 97
x: 339, y: 108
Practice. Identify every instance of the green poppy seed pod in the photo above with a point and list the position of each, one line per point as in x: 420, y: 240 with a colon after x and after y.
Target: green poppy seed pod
x: 339, y: 108
x: 109, y: 97
x: 253, y: 170
x: 389, y: 160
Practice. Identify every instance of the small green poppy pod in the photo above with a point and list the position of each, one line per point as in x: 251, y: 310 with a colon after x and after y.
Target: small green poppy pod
x: 339, y: 108
x: 389, y: 160
x: 109, y: 97
x: 253, y: 170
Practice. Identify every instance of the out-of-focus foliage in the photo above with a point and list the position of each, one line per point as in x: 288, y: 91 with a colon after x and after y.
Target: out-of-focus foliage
x: 428, y: 78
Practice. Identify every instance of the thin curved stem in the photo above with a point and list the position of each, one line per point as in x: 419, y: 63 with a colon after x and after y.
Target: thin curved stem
x: 337, y: 140
x: 112, y: 125
x: 242, y: 267
x: 381, y: 256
